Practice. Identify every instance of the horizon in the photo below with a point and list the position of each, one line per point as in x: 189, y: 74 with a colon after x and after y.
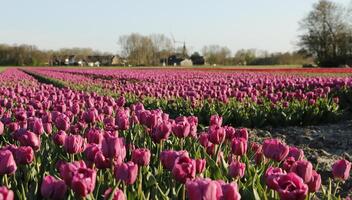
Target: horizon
x: 271, y: 25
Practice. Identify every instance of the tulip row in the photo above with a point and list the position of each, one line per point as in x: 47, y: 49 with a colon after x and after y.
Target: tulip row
x: 246, y: 99
x: 64, y: 144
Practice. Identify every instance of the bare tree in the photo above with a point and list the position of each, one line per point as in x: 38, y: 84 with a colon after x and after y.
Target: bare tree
x: 215, y: 54
x: 327, y: 33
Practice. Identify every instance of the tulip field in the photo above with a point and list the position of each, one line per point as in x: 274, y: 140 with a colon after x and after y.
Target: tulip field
x: 165, y: 134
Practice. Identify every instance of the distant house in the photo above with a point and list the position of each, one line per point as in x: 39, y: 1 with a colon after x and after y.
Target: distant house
x: 175, y: 59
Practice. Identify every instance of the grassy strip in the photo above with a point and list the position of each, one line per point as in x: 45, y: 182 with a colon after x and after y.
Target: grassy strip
x: 43, y: 79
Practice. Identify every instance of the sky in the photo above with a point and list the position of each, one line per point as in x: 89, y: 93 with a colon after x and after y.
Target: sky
x: 262, y: 24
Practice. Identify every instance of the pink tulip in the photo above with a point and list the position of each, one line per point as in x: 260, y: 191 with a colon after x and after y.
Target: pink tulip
x: 168, y: 158
x: 215, y: 120
x: 118, y: 194
x: 200, y: 165
x: 216, y: 134
x: 6, y: 194
x: 62, y: 122
x: 341, y: 169
x: 230, y: 191
x: 275, y: 149
x: 1, y: 128
x: 237, y: 169
x: 296, y: 153
x: 239, y: 146
x: 271, y: 177
x: 291, y: 186
x: 304, y: 169
x: 315, y: 183
x: 30, y: 139
x: 184, y: 169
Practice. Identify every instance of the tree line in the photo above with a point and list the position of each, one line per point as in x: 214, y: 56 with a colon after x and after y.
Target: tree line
x: 326, y: 40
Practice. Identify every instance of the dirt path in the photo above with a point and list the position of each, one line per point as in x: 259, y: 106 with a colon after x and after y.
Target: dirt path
x: 322, y: 144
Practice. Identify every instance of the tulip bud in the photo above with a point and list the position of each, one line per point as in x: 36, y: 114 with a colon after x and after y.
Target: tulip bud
x: 200, y: 165
x: 1, y: 128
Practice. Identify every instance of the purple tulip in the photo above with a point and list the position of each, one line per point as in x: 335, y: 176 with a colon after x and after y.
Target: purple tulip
x: 126, y: 172
x: 74, y: 144
x: 59, y: 138
x: 62, y: 122
x: 7, y: 163
x: 114, y: 147
x: 141, y: 156
x: 52, y: 188
x: 83, y: 181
